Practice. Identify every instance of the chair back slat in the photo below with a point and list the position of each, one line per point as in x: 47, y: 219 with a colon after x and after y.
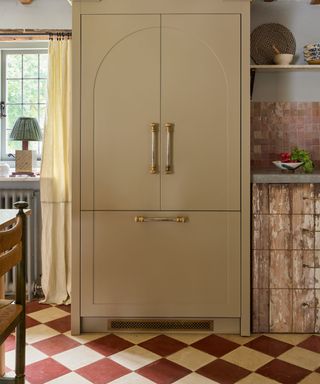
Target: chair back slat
x: 10, y: 258
x: 9, y: 238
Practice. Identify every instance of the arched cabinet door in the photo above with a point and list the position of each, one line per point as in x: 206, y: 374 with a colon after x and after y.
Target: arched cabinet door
x: 200, y: 61
x: 120, y: 101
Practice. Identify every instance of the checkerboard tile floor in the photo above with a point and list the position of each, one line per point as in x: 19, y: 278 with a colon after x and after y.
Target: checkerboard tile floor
x: 56, y: 357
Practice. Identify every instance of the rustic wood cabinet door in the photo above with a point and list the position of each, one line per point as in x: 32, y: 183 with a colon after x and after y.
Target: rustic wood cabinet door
x: 201, y: 97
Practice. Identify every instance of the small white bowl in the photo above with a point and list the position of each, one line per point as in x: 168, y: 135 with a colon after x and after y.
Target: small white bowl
x: 283, y: 58
x: 287, y: 166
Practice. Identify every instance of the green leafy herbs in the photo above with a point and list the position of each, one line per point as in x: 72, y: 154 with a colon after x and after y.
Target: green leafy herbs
x: 303, y: 156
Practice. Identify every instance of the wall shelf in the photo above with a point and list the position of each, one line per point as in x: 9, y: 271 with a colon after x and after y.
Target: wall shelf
x: 282, y: 68
x: 279, y: 68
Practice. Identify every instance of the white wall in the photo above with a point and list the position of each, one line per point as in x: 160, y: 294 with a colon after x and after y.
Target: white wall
x: 40, y: 14
x: 303, y: 20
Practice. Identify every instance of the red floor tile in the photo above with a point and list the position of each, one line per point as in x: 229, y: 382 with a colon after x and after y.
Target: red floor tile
x: 103, y: 371
x: 30, y: 322
x: 108, y: 345
x: 163, y: 345
x: 283, y: 372
x: 34, y: 306
x: 163, y: 371
x: 269, y: 346
x: 55, y: 344
x: 312, y: 343
x: 66, y: 308
x: 215, y: 345
x: 223, y: 372
x: 44, y: 371
x: 61, y: 325
x: 10, y: 343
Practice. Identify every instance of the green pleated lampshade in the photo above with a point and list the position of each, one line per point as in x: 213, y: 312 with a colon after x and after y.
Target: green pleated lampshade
x: 26, y: 129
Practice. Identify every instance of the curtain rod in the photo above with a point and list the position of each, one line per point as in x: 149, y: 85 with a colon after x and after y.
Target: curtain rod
x: 34, y: 32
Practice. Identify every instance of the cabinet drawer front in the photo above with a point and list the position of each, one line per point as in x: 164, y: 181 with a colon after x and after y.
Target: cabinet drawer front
x: 165, y: 269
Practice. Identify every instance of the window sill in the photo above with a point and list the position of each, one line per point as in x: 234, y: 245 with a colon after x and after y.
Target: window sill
x: 20, y: 182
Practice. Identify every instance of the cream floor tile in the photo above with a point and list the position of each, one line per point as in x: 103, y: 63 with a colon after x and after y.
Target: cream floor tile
x: 136, y: 338
x: 314, y: 378
x: 132, y: 378
x: 301, y: 357
x: 85, y: 337
x: 247, y: 358
x: 48, y: 314
x: 191, y: 358
x: 254, y: 378
x: 239, y: 339
x: 134, y: 357
x: 32, y: 356
x: 188, y: 338
x: 293, y: 339
x: 70, y: 378
x: 39, y: 332
x: 77, y: 357
x: 194, y: 378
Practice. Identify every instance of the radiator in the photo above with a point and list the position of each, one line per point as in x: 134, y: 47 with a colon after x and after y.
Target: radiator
x: 33, y: 263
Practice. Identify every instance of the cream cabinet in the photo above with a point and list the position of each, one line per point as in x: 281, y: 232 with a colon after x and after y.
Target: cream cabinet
x: 161, y: 91
x: 161, y: 165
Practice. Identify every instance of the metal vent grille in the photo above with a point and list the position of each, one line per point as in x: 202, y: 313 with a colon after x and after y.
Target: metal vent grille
x: 163, y: 325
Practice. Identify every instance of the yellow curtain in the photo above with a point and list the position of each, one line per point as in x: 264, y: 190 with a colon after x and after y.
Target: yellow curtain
x: 55, y: 180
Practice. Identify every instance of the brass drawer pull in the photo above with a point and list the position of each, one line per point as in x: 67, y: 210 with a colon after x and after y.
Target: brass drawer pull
x: 177, y: 219
x: 154, y: 148
x: 169, y: 129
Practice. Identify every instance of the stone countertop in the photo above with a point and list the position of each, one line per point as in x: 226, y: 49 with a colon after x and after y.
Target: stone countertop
x: 274, y: 176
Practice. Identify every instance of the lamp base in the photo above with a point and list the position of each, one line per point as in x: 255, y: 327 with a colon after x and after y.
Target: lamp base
x: 13, y: 174
x: 23, y: 161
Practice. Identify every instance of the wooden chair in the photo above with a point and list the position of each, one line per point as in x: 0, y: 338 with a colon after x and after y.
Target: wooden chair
x: 12, y: 314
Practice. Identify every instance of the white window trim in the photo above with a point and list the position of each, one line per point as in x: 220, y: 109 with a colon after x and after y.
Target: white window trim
x: 15, y: 46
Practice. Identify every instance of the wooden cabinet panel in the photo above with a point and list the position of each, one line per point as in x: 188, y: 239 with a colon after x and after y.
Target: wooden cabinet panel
x: 279, y: 199
x: 260, y: 232
x: 280, y: 310
x: 302, y: 199
x: 260, y: 199
x: 303, y: 310
x: 280, y: 235
x: 303, y: 269
x: 260, y: 310
x: 260, y: 269
x: 280, y: 269
x: 286, y: 253
x: 303, y: 232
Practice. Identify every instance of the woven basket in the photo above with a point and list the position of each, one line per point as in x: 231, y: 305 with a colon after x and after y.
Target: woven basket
x: 267, y: 35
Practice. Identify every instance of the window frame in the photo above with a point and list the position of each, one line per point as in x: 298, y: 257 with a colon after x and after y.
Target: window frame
x: 5, y: 50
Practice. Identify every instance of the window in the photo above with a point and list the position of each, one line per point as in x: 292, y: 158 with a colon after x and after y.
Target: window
x: 24, y: 90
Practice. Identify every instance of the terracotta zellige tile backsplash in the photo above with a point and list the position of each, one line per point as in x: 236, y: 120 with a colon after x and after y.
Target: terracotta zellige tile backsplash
x: 279, y: 126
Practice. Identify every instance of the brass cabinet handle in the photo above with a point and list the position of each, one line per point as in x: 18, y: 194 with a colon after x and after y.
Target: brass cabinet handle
x: 169, y: 128
x: 154, y: 148
x: 177, y: 219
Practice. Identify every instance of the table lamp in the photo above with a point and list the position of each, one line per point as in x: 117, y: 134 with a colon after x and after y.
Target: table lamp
x: 25, y: 129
